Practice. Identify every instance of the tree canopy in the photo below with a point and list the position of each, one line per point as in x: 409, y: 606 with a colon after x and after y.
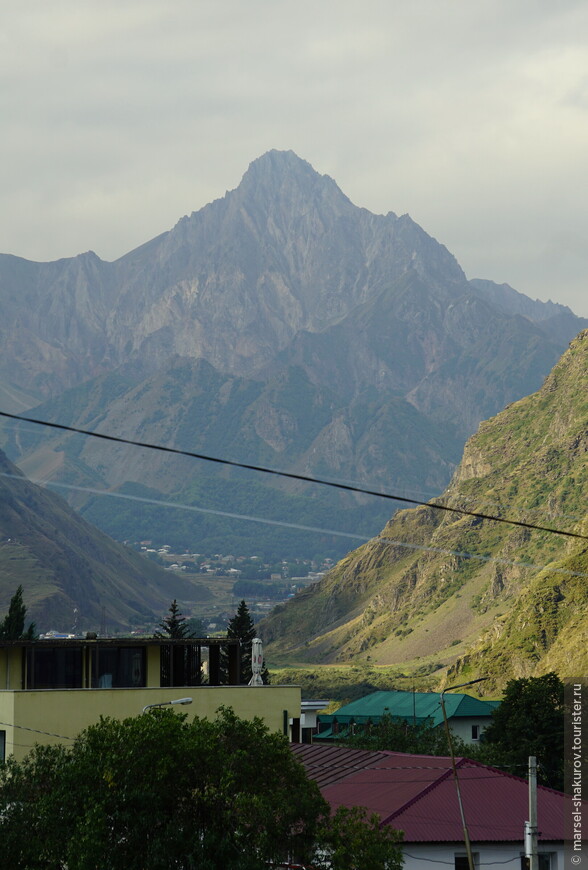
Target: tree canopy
x: 156, y: 791
x: 397, y: 735
x: 12, y: 626
x: 529, y: 721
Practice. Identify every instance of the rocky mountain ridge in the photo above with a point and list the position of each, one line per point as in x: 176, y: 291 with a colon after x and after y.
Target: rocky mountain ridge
x: 281, y: 323
x: 284, y: 253
x: 286, y: 250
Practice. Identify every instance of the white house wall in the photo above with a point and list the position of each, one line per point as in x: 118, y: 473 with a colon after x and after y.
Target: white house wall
x: 462, y: 728
x: 424, y: 856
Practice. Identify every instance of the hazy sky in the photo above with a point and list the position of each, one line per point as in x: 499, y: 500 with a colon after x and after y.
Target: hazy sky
x: 120, y: 116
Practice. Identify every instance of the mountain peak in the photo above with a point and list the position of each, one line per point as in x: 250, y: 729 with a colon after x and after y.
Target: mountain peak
x: 283, y: 172
x: 276, y: 161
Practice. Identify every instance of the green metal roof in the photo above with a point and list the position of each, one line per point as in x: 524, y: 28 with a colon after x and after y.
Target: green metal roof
x: 417, y: 706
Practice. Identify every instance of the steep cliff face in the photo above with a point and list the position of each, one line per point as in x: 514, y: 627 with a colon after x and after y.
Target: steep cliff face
x: 459, y: 591
x: 284, y: 253
x: 232, y: 283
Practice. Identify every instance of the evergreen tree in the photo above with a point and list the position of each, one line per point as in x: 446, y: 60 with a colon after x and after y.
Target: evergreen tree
x: 174, y: 626
x: 242, y: 628
x: 13, y: 625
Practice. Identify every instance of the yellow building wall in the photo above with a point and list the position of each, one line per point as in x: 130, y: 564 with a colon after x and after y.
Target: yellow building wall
x: 153, y: 666
x: 60, y: 714
x: 10, y: 668
x: 6, y: 720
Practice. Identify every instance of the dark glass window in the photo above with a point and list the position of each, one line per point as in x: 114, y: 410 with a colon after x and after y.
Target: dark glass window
x: 461, y: 861
x: 118, y: 667
x: 181, y: 665
x: 2, y: 745
x: 544, y: 861
x: 54, y: 667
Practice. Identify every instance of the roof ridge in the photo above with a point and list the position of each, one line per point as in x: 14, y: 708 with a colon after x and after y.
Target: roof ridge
x: 421, y: 794
x: 474, y: 763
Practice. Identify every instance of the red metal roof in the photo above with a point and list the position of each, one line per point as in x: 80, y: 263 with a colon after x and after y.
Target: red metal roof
x: 417, y: 794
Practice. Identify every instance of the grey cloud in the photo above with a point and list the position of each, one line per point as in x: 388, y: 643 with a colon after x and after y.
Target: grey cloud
x: 120, y: 117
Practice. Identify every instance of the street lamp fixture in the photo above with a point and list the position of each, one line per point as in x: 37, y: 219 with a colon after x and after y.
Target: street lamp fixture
x: 466, y: 836
x: 165, y: 703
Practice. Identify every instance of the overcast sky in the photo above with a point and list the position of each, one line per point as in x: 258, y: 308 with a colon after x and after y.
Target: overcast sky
x: 120, y: 116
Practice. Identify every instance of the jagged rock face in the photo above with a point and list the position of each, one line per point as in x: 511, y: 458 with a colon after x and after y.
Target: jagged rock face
x: 284, y: 253
x: 232, y: 283
x: 360, y: 349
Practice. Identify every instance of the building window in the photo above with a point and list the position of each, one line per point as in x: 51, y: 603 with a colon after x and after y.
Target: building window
x: 180, y: 665
x: 54, y: 667
x: 461, y: 860
x: 546, y: 861
x: 2, y: 745
x: 475, y: 732
x: 119, y: 667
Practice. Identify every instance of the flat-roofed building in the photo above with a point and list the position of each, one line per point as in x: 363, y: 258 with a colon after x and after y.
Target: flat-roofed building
x: 53, y: 689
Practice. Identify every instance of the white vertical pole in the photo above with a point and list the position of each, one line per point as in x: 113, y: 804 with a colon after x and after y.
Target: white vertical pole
x: 531, y: 826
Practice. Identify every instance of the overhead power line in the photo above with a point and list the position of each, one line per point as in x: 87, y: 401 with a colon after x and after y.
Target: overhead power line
x: 291, y: 475
x: 321, y: 530
x: 475, y: 499
x: 35, y: 731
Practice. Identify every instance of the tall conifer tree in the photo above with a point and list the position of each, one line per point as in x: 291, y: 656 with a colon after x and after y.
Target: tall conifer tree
x: 13, y: 625
x: 174, y: 625
x: 242, y: 628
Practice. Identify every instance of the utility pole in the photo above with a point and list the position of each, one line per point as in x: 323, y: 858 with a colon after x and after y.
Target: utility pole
x: 466, y: 835
x: 531, y: 834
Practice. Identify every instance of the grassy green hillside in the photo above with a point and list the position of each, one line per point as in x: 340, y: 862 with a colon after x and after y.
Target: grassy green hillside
x: 471, y: 595
x: 343, y: 683
x: 73, y: 575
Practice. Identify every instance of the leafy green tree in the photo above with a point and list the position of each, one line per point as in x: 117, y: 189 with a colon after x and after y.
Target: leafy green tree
x: 13, y: 625
x: 354, y: 840
x: 175, y: 625
x: 398, y: 735
x: 195, y: 627
x: 529, y: 721
x: 242, y: 627
x: 156, y: 791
